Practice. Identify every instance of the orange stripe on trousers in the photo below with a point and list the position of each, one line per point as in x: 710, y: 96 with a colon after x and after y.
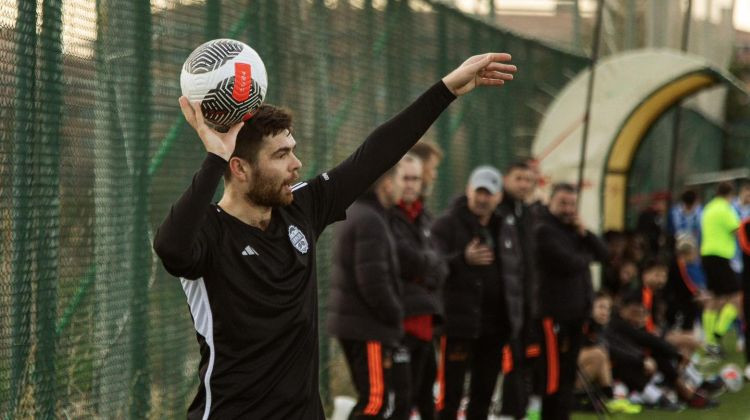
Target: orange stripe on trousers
x: 375, y: 367
x: 507, y: 359
x: 553, y: 366
x: 440, y: 403
x: 533, y: 350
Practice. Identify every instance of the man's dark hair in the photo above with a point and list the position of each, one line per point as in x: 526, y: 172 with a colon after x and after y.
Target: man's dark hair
x: 724, y: 189
x: 563, y: 187
x: 425, y: 149
x: 522, y: 165
x: 689, y: 197
x: 269, y: 120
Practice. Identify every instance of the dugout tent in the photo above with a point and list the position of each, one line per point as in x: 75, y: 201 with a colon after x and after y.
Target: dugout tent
x: 631, y: 91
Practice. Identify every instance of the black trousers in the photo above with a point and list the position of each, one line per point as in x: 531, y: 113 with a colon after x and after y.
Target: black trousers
x: 632, y: 376
x: 401, y: 383
x: 518, y: 375
x: 683, y: 313
x: 562, y: 343
x: 370, y: 364
x: 422, y: 373
x: 482, y: 359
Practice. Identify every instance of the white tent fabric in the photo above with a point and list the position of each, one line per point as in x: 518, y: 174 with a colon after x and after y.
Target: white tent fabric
x: 630, y: 91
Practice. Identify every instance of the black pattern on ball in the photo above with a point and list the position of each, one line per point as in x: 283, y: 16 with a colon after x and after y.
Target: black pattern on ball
x: 212, y: 55
x: 221, y: 109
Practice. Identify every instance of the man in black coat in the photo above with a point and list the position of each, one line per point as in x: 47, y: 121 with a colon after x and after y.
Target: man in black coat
x: 477, y: 324
x: 518, y: 186
x: 365, y: 312
x: 423, y: 271
x: 564, y: 250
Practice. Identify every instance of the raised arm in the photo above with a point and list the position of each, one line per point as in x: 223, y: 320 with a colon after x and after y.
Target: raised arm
x: 177, y: 241
x: 389, y: 142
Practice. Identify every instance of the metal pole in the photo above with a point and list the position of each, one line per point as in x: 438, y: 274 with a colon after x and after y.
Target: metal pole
x: 47, y: 208
x: 674, y: 147
x: 321, y: 159
x: 22, y: 250
x: 589, y: 93
x: 140, y: 260
x: 112, y: 215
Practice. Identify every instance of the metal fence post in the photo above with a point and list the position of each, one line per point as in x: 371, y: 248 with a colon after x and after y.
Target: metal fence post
x: 140, y: 261
x: 22, y: 250
x: 47, y: 206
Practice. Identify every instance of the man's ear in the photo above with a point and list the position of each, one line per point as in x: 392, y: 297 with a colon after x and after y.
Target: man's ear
x: 239, y: 168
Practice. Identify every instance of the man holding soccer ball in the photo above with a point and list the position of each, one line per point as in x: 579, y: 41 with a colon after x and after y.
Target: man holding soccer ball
x: 247, y: 263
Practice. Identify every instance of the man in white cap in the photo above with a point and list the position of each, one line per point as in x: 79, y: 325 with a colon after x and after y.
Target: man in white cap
x: 476, y: 318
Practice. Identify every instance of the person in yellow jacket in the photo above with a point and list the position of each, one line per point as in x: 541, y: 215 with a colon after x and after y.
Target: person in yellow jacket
x: 719, y: 244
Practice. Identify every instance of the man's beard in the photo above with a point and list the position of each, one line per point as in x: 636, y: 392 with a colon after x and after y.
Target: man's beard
x: 268, y: 192
x: 408, y: 197
x: 567, y: 219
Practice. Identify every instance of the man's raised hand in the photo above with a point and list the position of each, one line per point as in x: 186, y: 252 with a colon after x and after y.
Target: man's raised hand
x: 488, y: 69
x: 220, y: 144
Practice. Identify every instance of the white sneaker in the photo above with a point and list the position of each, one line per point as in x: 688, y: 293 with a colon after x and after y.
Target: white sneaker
x: 619, y: 390
x: 747, y: 372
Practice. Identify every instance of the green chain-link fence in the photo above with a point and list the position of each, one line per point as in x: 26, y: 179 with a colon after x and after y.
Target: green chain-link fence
x: 93, y: 151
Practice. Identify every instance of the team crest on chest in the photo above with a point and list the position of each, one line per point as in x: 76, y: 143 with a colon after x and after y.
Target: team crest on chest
x: 298, y: 240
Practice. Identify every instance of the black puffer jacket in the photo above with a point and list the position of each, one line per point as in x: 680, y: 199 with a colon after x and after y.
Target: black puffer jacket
x: 423, y: 269
x: 526, y: 219
x: 365, y: 296
x: 462, y: 293
x: 563, y: 257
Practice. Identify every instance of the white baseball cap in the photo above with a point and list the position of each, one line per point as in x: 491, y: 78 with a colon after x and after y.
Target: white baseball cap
x: 487, y: 177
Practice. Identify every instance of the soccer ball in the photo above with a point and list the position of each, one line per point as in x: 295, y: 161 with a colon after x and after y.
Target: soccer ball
x: 732, y: 377
x: 229, y: 79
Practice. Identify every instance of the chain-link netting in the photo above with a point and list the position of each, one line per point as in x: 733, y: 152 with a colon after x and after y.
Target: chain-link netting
x: 93, y: 151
